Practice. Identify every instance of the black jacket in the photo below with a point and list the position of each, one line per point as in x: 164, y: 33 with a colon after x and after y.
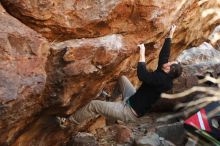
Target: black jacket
x: 153, y: 83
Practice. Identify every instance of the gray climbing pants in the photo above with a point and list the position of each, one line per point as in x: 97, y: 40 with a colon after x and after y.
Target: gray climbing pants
x: 114, y: 110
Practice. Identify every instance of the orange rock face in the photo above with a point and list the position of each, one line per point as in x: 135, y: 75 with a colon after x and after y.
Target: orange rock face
x: 61, y: 20
x: 22, y: 76
x: 92, y: 44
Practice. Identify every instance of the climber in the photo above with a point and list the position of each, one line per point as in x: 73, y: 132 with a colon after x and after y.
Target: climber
x: 135, y: 103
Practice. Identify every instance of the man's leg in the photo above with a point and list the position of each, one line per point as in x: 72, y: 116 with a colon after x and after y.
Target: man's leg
x: 113, y: 110
x: 126, y: 87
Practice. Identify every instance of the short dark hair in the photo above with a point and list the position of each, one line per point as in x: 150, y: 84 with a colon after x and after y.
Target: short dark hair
x: 175, y: 70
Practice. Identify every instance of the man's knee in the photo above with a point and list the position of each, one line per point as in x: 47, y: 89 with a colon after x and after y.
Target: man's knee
x: 91, y: 106
x: 123, y: 77
x: 94, y: 103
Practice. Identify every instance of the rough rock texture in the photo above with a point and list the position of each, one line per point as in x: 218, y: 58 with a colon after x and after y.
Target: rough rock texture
x: 123, y: 135
x: 22, y: 76
x: 203, y: 54
x: 100, y: 45
x: 141, y: 20
x: 86, y: 65
x: 197, y: 62
x: 173, y: 132
x: 83, y: 139
x: 151, y: 139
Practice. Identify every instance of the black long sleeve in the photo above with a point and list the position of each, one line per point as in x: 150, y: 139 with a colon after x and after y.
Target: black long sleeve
x: 151, y: 78
x: 153, y: 83
x: 164, y: 53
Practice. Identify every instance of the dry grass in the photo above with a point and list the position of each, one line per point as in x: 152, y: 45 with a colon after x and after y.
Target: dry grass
x: 211, y: 94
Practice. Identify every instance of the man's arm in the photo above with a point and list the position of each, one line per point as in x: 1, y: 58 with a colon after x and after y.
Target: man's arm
x: 142, y: 72
x: 165, y: 51
x: 142, y: 53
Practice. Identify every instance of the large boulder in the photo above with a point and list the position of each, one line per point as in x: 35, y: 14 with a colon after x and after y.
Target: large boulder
x: 97, y: 44
x: 197, y: 62
x: 142, y: 20
x: 22, y: 76
x: 83, y: 139
x: 81, y: 68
